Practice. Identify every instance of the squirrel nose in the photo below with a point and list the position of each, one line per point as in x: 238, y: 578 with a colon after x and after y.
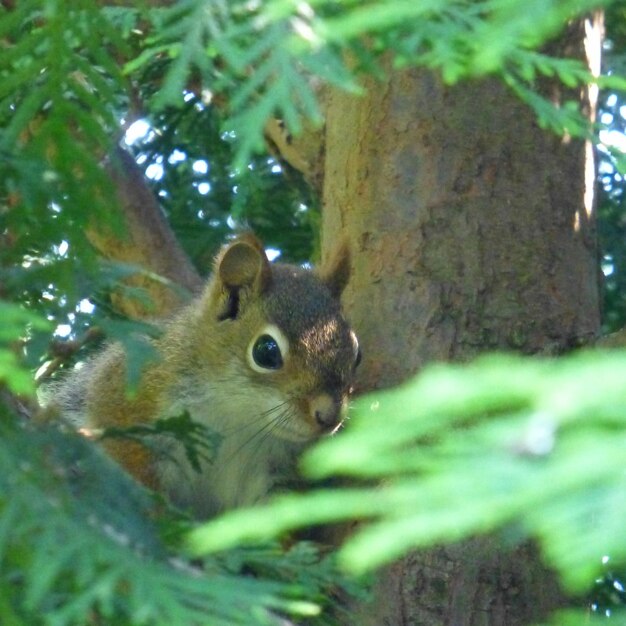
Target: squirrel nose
x: 326, y: 411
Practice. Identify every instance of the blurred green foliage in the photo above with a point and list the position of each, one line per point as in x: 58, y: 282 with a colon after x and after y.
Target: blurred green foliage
x: 207, y: 199
x: 206, y: 75
x: 520, y: 447
x: 79, y: 542
x: 259, y: 55
x: 611, y: 185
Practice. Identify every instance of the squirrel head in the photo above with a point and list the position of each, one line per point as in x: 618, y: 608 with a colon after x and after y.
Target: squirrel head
x: 282, y: 338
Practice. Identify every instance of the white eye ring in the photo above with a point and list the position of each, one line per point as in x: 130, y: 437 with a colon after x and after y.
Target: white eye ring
x: 355, y: 341
x: 267, y: 351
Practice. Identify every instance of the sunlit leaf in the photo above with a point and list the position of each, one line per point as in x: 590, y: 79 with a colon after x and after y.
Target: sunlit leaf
x: 472, y: 449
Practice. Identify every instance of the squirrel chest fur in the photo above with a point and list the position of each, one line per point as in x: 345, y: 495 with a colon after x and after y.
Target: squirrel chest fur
x: 263, y: 358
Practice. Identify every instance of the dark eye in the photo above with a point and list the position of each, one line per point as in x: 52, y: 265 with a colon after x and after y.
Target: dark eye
x: 266, y: 353
x: 359, y: 356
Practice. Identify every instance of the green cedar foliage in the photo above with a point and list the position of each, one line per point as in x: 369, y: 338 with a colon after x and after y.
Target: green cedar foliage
x: 512, y: 446
x: 64, y: 103
x: 81, y: 543
x: 266, y: 58
x: 190, y: 149
x: 73, y: 73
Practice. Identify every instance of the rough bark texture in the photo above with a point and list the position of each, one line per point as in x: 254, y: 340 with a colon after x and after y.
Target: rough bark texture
x: 472, y: 584
x: 472, y: 230
x: 467, y: 219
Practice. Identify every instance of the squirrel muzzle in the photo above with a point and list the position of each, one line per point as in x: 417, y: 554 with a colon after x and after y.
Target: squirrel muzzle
x: 326, y: 412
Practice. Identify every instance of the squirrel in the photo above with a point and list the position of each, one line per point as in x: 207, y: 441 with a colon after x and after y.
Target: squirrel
x: 263, y: 357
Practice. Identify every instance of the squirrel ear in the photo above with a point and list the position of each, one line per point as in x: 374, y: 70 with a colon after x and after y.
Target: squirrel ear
x: 242, y: 272
x: 243, y: 264
x: 336, y: 273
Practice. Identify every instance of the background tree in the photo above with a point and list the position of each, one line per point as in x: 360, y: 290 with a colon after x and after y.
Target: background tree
x: 473, y: 230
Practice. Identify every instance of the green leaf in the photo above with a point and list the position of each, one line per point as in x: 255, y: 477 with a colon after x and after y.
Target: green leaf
x: 501, y: 442
x: 88, y: 542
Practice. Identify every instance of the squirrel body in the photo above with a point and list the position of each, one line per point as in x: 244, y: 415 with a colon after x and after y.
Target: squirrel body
x: 263, y: 357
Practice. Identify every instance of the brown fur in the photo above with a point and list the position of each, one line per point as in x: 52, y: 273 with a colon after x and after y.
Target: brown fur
x: 264, y: 416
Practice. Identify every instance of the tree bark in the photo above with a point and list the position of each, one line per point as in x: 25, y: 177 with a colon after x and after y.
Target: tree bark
x: 168, y: 276
x: 472, y: 230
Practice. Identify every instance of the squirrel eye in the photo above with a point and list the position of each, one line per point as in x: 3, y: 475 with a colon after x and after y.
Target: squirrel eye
x: 359, y: 356
x: 266, y: 353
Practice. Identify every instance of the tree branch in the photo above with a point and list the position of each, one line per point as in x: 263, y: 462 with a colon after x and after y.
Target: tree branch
x: 304, y: 152
x: 148, y: 243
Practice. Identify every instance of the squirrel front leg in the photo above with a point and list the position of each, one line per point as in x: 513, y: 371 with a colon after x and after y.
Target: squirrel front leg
x: 111, y: 404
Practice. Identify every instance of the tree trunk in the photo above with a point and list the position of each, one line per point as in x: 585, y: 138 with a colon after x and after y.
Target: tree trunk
x: 472, y: 230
